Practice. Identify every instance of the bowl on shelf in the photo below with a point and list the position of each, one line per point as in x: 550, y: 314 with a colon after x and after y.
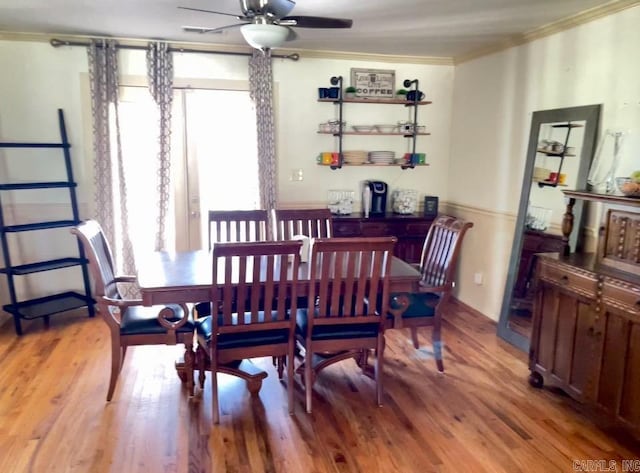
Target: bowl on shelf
x: 628, y: 186
x: 386, y: 128
x: 363, y: 128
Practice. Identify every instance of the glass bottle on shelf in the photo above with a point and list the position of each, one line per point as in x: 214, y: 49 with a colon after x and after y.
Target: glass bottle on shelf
x: 605, y: 164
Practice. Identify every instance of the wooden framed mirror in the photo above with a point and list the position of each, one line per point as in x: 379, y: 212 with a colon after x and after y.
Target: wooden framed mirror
x: 560, y: 150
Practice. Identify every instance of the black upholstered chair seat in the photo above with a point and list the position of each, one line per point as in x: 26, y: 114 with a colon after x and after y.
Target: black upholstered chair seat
x: 139, y: 320
x: 334, y: 332
x: 421, y: 304
x: 244, y: 339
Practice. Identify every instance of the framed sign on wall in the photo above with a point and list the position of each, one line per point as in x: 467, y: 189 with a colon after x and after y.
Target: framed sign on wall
x: 374, y: 83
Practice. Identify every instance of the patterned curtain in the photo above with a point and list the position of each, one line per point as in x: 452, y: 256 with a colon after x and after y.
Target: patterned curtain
x: 160, y: 75
x: 110, y: 188
x: 261, y: 90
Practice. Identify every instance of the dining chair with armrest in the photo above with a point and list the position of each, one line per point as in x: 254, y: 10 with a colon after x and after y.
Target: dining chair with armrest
x: 129, y: 322
x: 345, y: 274
x: 438, y: 264
x: 247, y: 278
x: 314, y: 223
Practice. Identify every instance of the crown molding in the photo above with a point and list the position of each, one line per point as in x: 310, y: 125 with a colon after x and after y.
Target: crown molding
x: 352, y: 56
x: 559, y: 26
x: 210, y: 47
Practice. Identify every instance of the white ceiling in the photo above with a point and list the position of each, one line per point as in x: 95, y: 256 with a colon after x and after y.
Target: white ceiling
x: 428, y: 28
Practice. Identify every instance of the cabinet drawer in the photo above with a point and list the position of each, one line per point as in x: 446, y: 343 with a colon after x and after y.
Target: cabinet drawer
x: 582, y: 283
x: 346, y: 229
x: 417, y: 229
x: 375, y: 229
x: 624, y: 295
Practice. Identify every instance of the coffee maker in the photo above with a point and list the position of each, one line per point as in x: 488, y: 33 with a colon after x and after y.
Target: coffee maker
x: 375, y: 198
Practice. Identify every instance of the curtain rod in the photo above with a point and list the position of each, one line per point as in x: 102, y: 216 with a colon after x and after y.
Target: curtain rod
x: 56, y: 43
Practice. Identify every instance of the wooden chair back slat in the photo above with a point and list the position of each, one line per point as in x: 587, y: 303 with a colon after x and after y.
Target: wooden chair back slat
x: 314, y: 223
x: 261, y: 273
x: 441, y: 250
x: 237, y: 225
x: 346, y: 277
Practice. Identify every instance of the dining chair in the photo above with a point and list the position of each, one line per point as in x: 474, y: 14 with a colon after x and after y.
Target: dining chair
x: 341, y: 320
x: 230, y: 226
x: 129, y: 322
x: 438, y: 264
x: 314, y: 223
x: 248, y: 277
x: 237, y: 225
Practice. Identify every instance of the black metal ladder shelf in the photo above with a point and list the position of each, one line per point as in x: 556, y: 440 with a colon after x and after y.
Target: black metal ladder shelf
x: 43, y: 307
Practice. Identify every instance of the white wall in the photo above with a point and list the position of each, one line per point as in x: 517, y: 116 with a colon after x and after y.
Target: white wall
x: 37, y: 79
x: 494, y: 97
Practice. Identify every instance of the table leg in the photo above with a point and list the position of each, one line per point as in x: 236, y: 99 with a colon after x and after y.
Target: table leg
x: 244, y: 369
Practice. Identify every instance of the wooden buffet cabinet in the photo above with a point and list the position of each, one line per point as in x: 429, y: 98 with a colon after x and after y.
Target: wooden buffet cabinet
x: 410, y: 230
x: 586, y: 318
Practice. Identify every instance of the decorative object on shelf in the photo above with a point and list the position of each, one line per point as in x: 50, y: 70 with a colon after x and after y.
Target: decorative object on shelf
x: 415, y: 95
x: 538, y: 218
x: 341, y: 201
x: 430, y: 206
x: 350, y: 92
x: 405, y: 201
x: 412, y: 159
x: 629, y: 186
x: 381, y: 157
x: 603, y: 170
x: 329, y: 159
x: 355, y: 157
x: 373, y: 83
x: 364, y: 128
x: 334, y: 93
x: 323, y: 92
x: 386, y: 128
x: 401, y: 94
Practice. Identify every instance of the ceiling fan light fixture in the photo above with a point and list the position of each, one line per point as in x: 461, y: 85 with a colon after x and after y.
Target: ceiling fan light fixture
x: 264, y: 36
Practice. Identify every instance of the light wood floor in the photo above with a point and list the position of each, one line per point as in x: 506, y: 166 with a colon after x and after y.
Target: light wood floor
x: 481, y: 416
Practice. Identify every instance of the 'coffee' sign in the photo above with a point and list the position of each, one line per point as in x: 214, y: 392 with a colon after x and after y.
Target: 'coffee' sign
x: 373, y: 83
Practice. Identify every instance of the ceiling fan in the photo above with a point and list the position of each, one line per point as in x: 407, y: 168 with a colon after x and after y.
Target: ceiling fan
x: 264, y: 24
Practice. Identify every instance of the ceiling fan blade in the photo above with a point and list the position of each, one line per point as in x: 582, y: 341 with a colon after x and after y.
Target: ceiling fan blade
x: 239, y: 17
x: 202, y: 29
x: 292, y: 36
x: 272, y: 8
x: 315, y: 22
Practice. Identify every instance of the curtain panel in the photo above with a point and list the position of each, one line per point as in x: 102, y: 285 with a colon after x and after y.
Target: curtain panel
x: 160, y: 76
x: 110, y: 187
x: 261, y: 90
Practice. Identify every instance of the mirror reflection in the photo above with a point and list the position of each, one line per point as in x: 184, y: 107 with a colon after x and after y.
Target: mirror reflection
x: 555, y: 169
x: 561, y: 144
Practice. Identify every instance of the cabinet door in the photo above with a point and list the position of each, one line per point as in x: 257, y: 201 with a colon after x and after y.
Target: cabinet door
x: 566, y: 342
x: 619, y: 386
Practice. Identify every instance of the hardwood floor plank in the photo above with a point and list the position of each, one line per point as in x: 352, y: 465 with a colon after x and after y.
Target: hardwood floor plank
x: 480, y: 416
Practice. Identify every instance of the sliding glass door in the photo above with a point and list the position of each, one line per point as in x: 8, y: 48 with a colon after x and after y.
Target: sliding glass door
x: 214, y: 161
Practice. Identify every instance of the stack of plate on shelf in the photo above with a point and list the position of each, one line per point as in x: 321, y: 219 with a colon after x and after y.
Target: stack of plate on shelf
x: 354, y: 157
x: 382, y: 157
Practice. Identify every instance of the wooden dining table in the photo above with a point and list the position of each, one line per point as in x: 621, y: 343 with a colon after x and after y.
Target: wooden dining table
x: 185, y: 277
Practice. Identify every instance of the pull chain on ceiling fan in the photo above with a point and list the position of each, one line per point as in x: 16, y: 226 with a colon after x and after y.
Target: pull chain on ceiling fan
x: 264, y: 24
